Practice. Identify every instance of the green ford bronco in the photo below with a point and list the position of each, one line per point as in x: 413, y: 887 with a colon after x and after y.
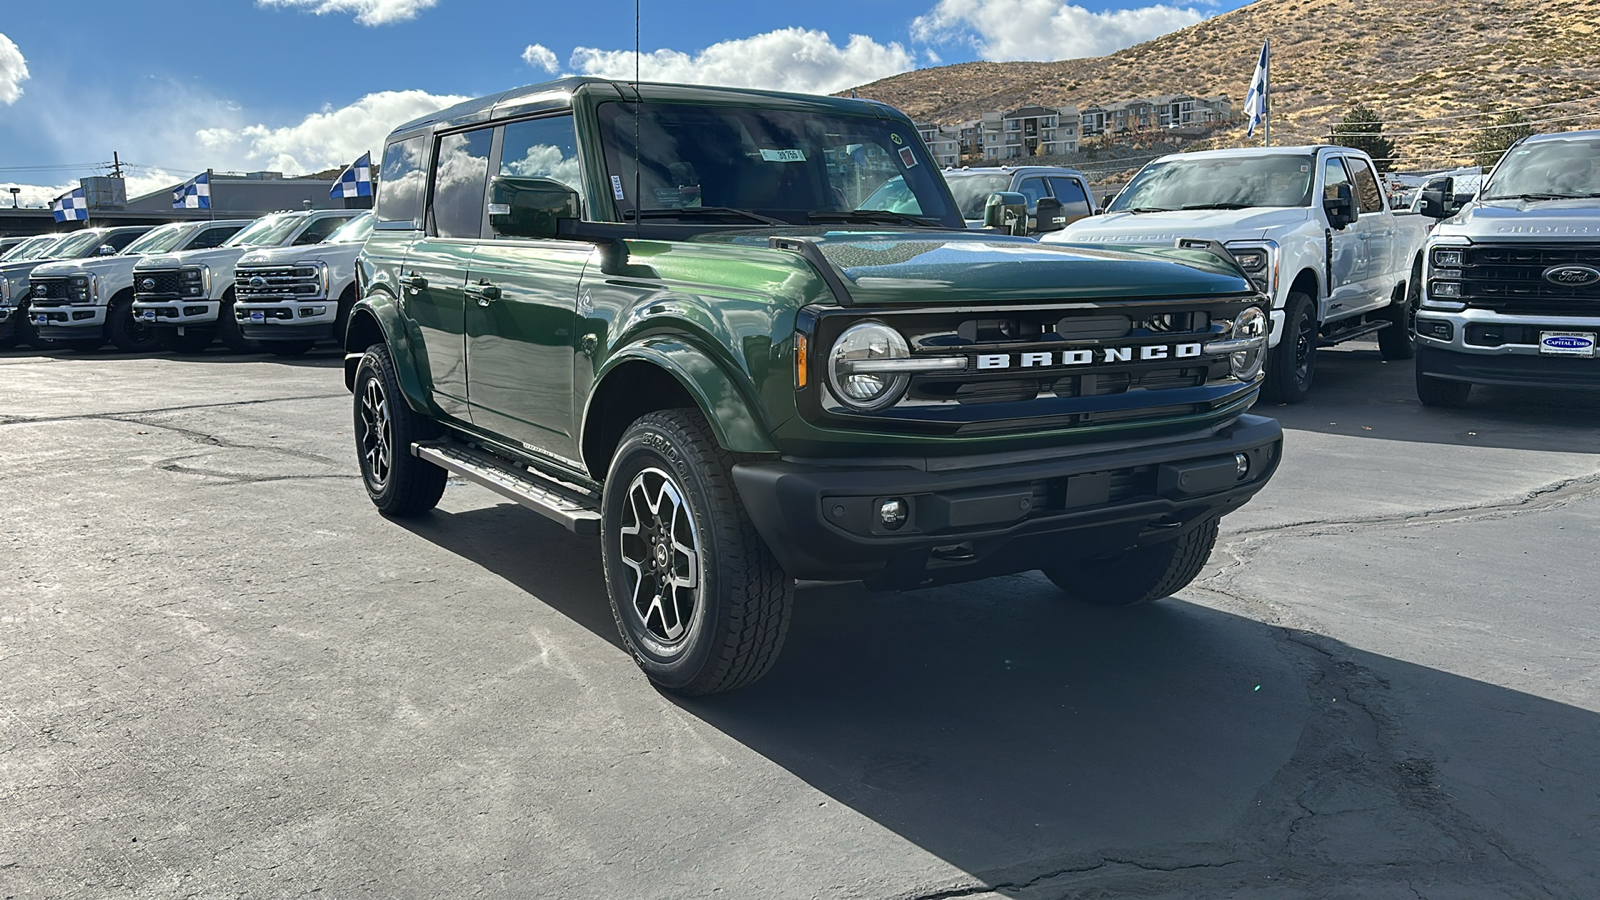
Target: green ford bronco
x: 662, y: 315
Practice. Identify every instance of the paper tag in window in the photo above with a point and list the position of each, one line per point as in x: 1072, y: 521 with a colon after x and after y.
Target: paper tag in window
x: 908, y: 158
x: 616, y: 186
x: 783, y: 155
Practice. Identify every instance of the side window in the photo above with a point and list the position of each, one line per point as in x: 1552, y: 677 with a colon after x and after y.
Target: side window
x: 1369, y: 197
x: 541, y: 148
x: 1073, y: 199
x: 212, y: 237
x: 1333, y: 175
x: 460, y: 176
x: 120, y: 242
x: 1033, y: 189
x: 401, y: 181
x: 318, y: 231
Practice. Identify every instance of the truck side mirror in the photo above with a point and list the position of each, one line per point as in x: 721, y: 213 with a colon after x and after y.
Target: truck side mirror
x: 1008, y: 210
x: 530, y: 207
x: 1341, y: 209
x: 1050, y: 215
x: 105, y: 250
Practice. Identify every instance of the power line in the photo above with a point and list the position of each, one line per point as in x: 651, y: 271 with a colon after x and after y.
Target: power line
x: 1386, y: 133
x: 1491, y: 113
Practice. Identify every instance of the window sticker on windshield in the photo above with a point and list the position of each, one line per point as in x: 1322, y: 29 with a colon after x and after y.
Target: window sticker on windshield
x: 616, y: 186
x: 908, y: 158
x: 783, y: 155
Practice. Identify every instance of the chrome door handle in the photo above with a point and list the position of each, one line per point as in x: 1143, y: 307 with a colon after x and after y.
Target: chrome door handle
x: 483, y: 291
x: 414, y: 281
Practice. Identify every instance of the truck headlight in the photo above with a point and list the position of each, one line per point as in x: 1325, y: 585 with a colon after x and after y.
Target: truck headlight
x: 1260, y: 262
x: 851, y: 370
x: 1448, y: 259
x: 78, y: 287
x: 194, y: 281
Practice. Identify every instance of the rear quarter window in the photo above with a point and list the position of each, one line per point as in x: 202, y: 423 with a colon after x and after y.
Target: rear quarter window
x: 403, y: 181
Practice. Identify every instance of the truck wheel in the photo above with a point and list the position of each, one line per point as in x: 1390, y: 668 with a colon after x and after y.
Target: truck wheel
x: 1441, y: 391
x: 28, y: 333
x: 10, y: 338
x: 398, y: 483
x: 129, y: 334
x: 699, y: 600
x: 1291, y: 364
x: 192, y: 340
x: 1141, y: 575
x: 1399, y: 340
x: 228, y: 331
x: 288, y: 348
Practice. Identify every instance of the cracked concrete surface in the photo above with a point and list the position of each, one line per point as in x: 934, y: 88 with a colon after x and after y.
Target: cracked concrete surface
x: 224, y: 675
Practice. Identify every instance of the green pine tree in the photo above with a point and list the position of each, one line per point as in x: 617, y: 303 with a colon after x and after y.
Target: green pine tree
x: 1361, y: 129
x: 1488, y: 144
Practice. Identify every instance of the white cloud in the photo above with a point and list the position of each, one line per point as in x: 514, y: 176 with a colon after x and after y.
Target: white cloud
x: 540, y: 57
x: 331, y: 137
x: 1046, y: 29
x: 367, y: 12
x: 789, y: 59
x: 13, y: 71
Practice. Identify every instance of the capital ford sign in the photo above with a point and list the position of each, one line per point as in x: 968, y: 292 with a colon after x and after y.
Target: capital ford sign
x: 1056, y: 358
x: 1572, y: 276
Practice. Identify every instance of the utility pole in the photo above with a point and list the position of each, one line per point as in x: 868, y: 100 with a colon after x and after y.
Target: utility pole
x: 116, y: 165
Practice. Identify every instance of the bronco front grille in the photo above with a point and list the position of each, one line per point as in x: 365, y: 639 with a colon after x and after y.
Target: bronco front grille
x: 158, y: 282
x: 1509, y: 278
x: 274, y: 282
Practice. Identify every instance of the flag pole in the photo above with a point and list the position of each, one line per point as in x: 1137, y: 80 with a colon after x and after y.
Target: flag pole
x: 1266, y: 102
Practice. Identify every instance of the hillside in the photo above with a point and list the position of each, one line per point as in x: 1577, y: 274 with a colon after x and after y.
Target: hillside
x: 1410, y: 61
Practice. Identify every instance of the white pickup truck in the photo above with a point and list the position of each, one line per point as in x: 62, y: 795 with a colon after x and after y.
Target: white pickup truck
x: 1311, y: 227
x: 288, y: 298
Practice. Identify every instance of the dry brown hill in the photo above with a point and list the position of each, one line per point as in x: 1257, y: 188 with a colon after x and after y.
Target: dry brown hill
x: 1410, y: 60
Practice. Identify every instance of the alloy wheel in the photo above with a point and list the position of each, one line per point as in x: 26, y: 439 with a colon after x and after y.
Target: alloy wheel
x: 377, y: 434
x: 661, y: 549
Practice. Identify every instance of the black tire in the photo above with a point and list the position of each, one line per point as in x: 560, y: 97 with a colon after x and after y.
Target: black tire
x: 1399, y: 340
x: 129, y: 334
x: 11, y: 338
x: 1292, y: 364
x: 229, y: 333
x: 288, y: 349
x: 341, y: 321
x: 1441, y: 391
x: 192, y: 340
x: 398, y: 483
x: 725, y: 629
x: 1140, y: 575
x: 27, y: 332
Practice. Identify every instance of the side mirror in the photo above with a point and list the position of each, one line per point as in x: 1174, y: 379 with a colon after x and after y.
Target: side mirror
x: 1341, y: 209
x: 106, y: 250
x: 530, y: 207
x: 1049, y: 216
x: 1008, y: 210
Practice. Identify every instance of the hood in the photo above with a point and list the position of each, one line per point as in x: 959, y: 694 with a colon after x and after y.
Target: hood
x: 284, y: 256
x: 86, y: 266
x: 1167, y: 227
x: 1576, y: 219
x: 216, y: 256
x: 888, y: 268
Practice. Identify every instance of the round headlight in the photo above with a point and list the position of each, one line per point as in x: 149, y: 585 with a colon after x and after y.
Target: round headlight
x: 858, y: 386
x: 1252, y: 324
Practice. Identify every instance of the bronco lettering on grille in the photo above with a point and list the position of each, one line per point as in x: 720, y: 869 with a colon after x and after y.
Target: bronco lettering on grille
x: 1147, y: 353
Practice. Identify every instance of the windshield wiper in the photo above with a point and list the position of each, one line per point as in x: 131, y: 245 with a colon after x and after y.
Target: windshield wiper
x: 1537, y: 196
x: 871, y: 215
x: 687, y: 212
x: 1145, y: 209
x: 1218, y: 206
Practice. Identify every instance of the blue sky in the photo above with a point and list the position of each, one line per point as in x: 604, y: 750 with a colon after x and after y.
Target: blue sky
x: 177, y: 86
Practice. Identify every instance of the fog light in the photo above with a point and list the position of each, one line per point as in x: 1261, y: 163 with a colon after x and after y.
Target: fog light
x: 892, y: 513
x: 1241, y: 466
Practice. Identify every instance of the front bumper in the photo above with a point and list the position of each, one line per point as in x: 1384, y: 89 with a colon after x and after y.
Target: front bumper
x: 176, y: 311
x: 1485, y: 347
x: 288, y: 320
x: 66, y: 321
x: 988, y: 515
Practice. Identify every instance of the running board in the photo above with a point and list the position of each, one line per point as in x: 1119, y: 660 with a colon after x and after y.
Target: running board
x: 1340, y: 337
x: 543, y: 496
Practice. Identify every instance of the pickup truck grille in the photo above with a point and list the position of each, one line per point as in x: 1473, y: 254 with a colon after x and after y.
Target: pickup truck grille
x: 155, y: 282
x: 1044, y: 366
x: 55, y: 291
x: 1509, y: 278
x: 277, y: 282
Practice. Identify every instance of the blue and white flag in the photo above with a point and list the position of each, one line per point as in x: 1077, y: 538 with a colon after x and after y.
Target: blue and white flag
x: 355, y: 181
x: 1255, y: 102
x: 72, y: 206
x: 194, y: 193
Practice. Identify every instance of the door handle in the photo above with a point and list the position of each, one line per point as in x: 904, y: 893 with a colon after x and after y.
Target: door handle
x: 483, y: 291
x: 414, y: 281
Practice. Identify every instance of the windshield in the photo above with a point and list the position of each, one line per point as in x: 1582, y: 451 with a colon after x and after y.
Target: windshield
x: 76, y: 245
x: 268, y: 231
x: 31, y: 248
x: 1218, y: 183
x: 159, y: 241
x: 746, y: 165
x: 352, y: 232
x: 1555, y: 169
x: 972, y: 191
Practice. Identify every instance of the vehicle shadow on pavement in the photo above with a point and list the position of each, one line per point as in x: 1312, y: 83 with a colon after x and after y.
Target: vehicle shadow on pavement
x: 1358, y: 394
x: 1168, y: 750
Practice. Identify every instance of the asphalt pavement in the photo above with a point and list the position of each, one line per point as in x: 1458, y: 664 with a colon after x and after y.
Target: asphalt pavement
x: 223, y: 674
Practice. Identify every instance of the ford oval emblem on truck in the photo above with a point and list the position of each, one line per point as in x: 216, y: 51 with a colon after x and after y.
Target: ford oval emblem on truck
x: 1572, y: 276
x: 147, y: 285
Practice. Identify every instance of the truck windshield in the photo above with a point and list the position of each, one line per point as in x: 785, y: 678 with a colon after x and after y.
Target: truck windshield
x: 972, y: 191
x: 1277, y: 179
x: 754, y: 166
x: 1547, y: 170
x: 268, y: 231
x: 159, y: 241
x: 354, y: 231
x: 80, y: 244
x: 32, y: 248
